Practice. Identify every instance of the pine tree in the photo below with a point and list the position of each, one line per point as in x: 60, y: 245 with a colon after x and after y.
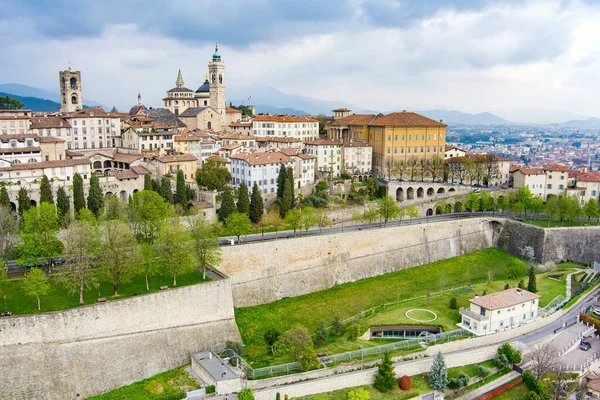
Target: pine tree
x: 281, y: 181
x: 532, y: 285
x: 95, y: 199
x: 4, y: 199
x: 147, y: 182
x: 438, y: 376
x: 181, y: 190
x: 46, y: 191
x: 165, y: 189
x: 62, y: 203
x: 289, y: 180
x: 227, y: 204
x: 23, y: 200
x: 78, y: 196
x: 155, y: 186
x: 243, y: 203
x: 385, y: 379
x: 336, y: 325
x: 256, y: 205
x: 321, y: 334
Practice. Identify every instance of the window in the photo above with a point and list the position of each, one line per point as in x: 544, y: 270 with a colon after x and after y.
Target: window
x: 549, y: 176
x: 561, y: 187
x: 388, y: 150
x: 395, y: 137
x: 549, y: 186
x: 481, y: 310
x: 409, y: 137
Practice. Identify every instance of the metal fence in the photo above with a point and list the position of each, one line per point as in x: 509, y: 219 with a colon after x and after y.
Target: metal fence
x: 554, y: 305
x: 334, y: 359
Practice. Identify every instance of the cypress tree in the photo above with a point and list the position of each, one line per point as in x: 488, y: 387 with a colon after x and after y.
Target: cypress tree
x: 165, y: 189
x: 23, y: 200
x: 227, y: 204
x: 532, y: 285
x: 285, y: 201
x: 78, y: 197
x: 281, y: 182
x: 181, y: 196
x: 46, y: 191
x: 156, y: 185
x: 385, y: 379
x: 438, y: 377
x: 62, y: 202
x: 256, y: 204
x: 243, y: 203
x: 95, y: 199
x: 4, y: 199
x: 289, y: 180
x: 147, y: 182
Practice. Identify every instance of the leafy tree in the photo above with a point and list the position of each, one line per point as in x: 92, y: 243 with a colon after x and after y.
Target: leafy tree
x: 453, y: 303
x: 172, y: 249
x: 165, y: 189
x: 501, y: 362
x: 411, y: 211
x: 273, y: 220
x: 486, y: 202
x: 336, y: 325
x: 293, y: 219
x: 86, y: 215
x: 4, y: 283
x: 63, y: 206
x: 237, y: 224
x: 78, y: 196
x: 438, y: 376
x: 147, y: 182
x: 512, y: 355
x: 521, y: 284
x: 472, y: 202
x: 531, y: 284
x: 591, y: 209
x: 459, y: 207
x: 4, y: 199
x: 525, y: 197
x: 536, y: 205
x: 120, y: 253
x: 323, y: 219
x: 181, y: 196
x: 36, y: 285
x: 114, y: 209
x: 205, y: 244
x: 246, y: 394
x: 39, y: 240
x: 551, y: 209
x: 388, y: 209
x: 321, y: 333
x: 46, y: 191
x: 148, y: 213
x: 8, y: 103
x: 270, y: 337
x: 156, y: 185
x: 243, y: 203
x: 213, y: 176
x: 370, y: 214
x: 256, y: 205
x: 281, y: 182
x: 23, y: 201
x: 298, y: 343
x: 359, y: 394
x: 503, y: 203
x: 227, y: 204
x: 95, y: 198
x: 150, y: 265
x: 8, y: 233
x: 517, y: 208
x: 81, y: 243
x: 385, y: 379
x: 308, y: 219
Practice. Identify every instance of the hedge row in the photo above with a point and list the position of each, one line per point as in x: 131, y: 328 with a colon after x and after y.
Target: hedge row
x: 501, y: 389
x: 595, y: 322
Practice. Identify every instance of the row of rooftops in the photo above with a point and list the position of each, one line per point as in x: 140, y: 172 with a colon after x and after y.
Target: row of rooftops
x: 274, y: 156
x: 403, y: 118
x: 582, y: 175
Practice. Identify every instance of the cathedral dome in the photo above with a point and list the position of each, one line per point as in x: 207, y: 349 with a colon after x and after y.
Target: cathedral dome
x: 205, y: 88
x: 216, y: 55
x: 138, y: 107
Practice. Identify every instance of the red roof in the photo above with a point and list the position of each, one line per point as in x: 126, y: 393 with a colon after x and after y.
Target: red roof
x: 556, y: 167
x: 177, y: 158
x: 404, y: 119
x: 262, y: 158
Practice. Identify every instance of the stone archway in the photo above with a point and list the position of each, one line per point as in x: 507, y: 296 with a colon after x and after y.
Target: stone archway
x: 439, y: 211
x: 13, y: 207
x: 108, y: 194
x: 399, y: 194
x: 441, y: 190
x: 420, y: 192
x: 451, y: 190
x: 429, y: 212
x: 430, y: 192
x: 410, y: 193
x: 33, y: 203
x: 123, y: 195
x: 97, y: 164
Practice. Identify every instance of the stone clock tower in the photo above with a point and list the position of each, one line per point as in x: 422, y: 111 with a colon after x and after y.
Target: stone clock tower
x: 70, y: 91
x: 216, y: 78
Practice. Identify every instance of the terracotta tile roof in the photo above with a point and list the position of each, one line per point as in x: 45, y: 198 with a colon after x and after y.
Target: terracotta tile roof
x: 126, y: 158
x: 341, y: 109
x: 49, y: 122
x: 529, y: 171
x: 189, y: 137
x: 305, y: 156
x: 277, y: 139
x: 450, y: 147
x: 87, y: 113
x: 325, y: 142
x: 356, y: 144
x: 242, y: 124
x: 263, y: 158
x: 505, y: 298
x: 138, y: 169
x: 230, y: 110
x: 125, y: 174
x: 231, y: 146
x: 20, y: 137
x: 584, y: 176
x: 288, y: 151
x: 404, y: 119
x: 177, y: 158
x: 556, y: 167
x: 354, y: 119
x: 236, y: 136
x: 11, y: 150
x: 47, y: 164
x: 594, y: 384
x: 285, y: 118
x: 51, y: 139
x: 217, y: 159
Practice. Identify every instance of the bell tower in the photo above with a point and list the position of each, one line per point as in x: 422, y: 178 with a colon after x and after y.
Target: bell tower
x: 70, y: 90
x: 216, y: 78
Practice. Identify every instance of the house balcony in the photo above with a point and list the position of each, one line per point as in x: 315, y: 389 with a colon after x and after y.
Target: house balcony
x: 472, y: 315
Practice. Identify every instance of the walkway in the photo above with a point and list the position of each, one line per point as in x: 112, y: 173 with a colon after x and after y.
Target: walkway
x: 489, y: 386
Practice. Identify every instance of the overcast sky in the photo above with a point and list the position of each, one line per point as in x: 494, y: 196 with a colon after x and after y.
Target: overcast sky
x: 467, y: 55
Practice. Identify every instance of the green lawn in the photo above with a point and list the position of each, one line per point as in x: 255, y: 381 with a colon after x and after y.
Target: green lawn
x: 348, y: 299
x: 58, y: 297
x: 170, y: 385
x: 515, y: 393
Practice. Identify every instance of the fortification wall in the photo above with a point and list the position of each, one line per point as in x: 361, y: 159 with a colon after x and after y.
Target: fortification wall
x: 94, y: 349
x: 265, y: 272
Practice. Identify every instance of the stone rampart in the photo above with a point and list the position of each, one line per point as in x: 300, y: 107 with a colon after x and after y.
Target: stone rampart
x: 97, y: 348
x: 268, y: 271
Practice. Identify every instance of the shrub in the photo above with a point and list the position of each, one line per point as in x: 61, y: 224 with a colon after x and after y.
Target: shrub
x: 461, y: 381
x: 498, y: 391
x: 521, y: 284
x: 345, y: 175
x: 210, y: 389
x: 453, y: 303
x: 405, y: 382
x: 590, y: 320
x: 321, y: 186
x: 501, y: 362
x: 516, y: 271
x: 236, y: 346
x: 277, y: 396
x: 359, y: 394
x: 246, y: 394
x: 482, y: 371
x: 513, y: 356
x: 530, y: 396
x: 534, y: 384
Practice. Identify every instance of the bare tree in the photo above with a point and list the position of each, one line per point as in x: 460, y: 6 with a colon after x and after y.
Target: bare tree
x: 560, y: 385
x: 543, y: 358
x: 400, y: 169
x: 423, y: 166
x: 491, y: 166
x: 413, y: 167
x: 436, y: 167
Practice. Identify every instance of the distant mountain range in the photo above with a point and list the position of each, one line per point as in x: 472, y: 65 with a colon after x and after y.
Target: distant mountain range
x: 34, y: 103
x: 590, y: 123
x: 457, y: 117
x: 16, y: 89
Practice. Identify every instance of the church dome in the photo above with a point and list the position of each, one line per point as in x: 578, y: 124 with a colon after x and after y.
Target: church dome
x: 205, y: 88
x: 216, y: 55
x: 137, y: 108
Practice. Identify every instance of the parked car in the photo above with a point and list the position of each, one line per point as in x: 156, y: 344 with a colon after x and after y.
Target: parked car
x: 585, y: 346
x: 597, y: 311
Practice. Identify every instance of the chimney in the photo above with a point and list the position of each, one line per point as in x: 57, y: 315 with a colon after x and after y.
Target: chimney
x: 441, y: 121
x: 476, y: 296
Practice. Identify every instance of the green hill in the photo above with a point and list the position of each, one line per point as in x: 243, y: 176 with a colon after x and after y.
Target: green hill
x: 34, y: 103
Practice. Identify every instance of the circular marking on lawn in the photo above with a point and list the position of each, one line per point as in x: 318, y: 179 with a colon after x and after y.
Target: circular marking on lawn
x: 422, y: 311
